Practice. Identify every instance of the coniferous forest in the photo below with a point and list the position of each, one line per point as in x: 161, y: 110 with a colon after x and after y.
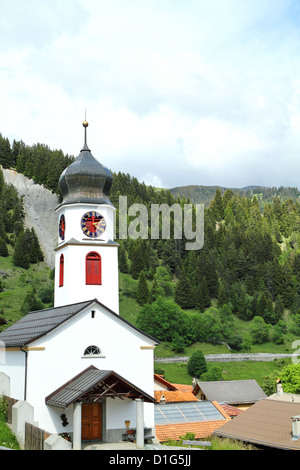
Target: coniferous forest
x: 248, y: 268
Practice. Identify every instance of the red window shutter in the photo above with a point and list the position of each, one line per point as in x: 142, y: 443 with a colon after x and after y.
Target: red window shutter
x: 93, y: 269
x: 61, y: 271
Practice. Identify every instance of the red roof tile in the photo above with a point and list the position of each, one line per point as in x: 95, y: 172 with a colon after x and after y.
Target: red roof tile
x: 163, y: 381
x: 174, y: 396
x: 184, y: 387
x: 164, y: 432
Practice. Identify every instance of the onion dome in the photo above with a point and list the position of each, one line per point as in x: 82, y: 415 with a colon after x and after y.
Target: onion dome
x: 86, y: 180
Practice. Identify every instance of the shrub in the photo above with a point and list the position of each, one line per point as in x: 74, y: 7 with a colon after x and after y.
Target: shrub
x: 260, y: 330
x: 197, y: 364
x: 3, y: 408
x: 212, y: 375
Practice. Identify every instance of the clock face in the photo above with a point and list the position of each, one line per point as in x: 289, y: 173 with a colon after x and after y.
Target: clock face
x: 62, y: 227
x: 93, y: 224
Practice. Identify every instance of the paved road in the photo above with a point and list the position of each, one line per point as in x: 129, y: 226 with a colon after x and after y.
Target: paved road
x: 228, y: 357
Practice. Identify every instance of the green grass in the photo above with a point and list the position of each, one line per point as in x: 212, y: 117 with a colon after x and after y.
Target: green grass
x: 216, y: 443
x: 17, y: 283
x: 7, y: 438
x: 229, y: 444
x: 252, y: 370
x: 177, y: 373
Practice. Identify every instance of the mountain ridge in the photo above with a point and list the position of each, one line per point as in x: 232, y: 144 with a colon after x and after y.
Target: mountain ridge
x: 204, y: 194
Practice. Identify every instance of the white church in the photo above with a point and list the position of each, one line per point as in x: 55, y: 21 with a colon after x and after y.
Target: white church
x: 84, y: 369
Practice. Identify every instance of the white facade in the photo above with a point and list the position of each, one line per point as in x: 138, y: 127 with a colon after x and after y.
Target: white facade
x: 59, y: 356
x: 75, y: 247
x: 74, y: 288
x: 73, y: 214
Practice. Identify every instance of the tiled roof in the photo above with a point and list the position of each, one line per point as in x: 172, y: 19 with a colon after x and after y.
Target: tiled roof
x: 211, y: 418
x: 160, y: 378
x: 174, y: 396
x: 267, y: 423
x: 184, y: 387
x: 175, y: 432
x: 37, y: 324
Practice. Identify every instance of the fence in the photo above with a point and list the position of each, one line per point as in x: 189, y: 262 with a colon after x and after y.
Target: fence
x: 10, y: 403
x: 34, y: 437
x: 20, y: 416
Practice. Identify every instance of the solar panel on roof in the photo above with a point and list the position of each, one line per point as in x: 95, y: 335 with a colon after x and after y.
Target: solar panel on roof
x: 186, y: 412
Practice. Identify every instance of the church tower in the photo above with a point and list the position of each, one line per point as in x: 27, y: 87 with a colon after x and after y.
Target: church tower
x: 86, y: 257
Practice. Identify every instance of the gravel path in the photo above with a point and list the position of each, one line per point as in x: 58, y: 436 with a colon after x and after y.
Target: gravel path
x: 227, y: 357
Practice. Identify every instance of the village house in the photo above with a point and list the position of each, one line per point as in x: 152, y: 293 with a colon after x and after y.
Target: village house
x: 238, y: 393
x: 269, y: 424
x: 178, y: 412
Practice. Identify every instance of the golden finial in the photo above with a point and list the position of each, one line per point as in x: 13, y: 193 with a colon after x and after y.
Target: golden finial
x: 85, y: 123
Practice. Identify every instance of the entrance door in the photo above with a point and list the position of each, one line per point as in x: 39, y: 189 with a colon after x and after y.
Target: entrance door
x: 91, y: 421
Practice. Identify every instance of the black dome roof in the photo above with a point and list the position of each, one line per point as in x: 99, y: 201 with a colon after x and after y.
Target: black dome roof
x: 86, y: 180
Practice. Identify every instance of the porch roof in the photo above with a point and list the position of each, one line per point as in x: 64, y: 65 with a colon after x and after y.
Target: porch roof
x: 94, y: 384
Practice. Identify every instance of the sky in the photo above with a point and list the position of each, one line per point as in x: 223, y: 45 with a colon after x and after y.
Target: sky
x: 176, y: 92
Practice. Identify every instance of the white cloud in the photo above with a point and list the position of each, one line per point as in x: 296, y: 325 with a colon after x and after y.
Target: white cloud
x: 177, y: 92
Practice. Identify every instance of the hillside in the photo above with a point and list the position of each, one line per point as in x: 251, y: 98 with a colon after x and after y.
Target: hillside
x: 39, y: 208
x: 205, y: 194
x: 241, y: 288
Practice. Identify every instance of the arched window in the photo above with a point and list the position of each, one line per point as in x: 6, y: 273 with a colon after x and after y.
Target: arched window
x: 92, y: 351
x: 61, y: 270
x: 93, y: 268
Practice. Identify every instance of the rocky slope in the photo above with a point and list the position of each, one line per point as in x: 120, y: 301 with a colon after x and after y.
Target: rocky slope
x: 39, y: 206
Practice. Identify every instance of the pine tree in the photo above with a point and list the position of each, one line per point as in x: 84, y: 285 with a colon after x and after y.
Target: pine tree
x: 123, y: 263
x: 36, y: 254
x: 269, y: 315
x: 3, y: 248
x: 5, y: 152
x: 21, y: 256
x: 222, y: 294
x: 201, y: 295
x: 137, y: 259
x: 142, y: 292
x: 261, y: 305
x: 183, y: 291
x: 154, y: 290
x: 1, y: 181
x: 217, y: 206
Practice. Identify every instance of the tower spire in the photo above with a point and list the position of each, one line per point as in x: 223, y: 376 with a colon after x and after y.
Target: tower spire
x: 85, y: 125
